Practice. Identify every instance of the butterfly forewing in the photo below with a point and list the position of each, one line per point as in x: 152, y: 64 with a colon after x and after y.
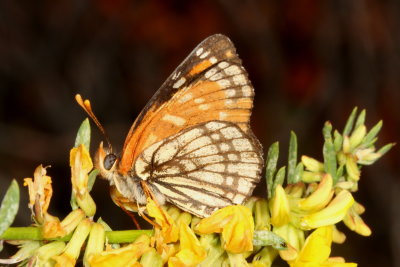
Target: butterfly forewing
x: 210, y: 84
x: 204, y: 167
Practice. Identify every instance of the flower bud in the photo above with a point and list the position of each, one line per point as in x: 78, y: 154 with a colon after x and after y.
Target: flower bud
x: 357, y: 136
x: 312, y: 164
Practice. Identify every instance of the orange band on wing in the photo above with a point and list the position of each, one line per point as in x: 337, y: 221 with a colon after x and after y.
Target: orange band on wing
x: 200, y: 67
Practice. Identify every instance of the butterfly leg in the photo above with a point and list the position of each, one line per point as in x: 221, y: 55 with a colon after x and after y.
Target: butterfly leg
x: 149, y: 194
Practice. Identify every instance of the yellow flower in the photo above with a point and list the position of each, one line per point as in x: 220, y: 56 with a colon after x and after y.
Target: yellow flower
x: 279, y: 206
x: 354, y: 222
x: 64, y: 260
x: 126, y: 256
x: 320, y: 197
x: 236, y: 225
x: 73, y: 248
x: 169, y: 229
x: 81, y: 164
x: 316, y: 251
x: 332, y: 214
x: 191, y: 253
x: 96, y: 240
x: 40, y: 192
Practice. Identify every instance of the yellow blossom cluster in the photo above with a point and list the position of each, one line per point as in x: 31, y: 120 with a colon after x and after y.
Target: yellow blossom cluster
x: 296, y: 222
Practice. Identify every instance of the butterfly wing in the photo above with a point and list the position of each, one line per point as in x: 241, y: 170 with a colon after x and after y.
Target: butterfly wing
x: 203, y: 168
x: 210, y: 84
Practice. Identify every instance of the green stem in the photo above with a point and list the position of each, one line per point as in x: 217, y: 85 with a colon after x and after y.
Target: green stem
x: 34, y: 233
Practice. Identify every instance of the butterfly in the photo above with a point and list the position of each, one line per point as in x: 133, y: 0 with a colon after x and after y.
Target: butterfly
x: 192, y: 145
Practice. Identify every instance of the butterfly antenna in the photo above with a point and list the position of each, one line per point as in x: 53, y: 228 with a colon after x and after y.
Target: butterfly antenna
x: 85, y: 104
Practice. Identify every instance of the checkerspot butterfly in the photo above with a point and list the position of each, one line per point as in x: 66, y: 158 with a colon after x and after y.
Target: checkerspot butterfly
x: 192, y: 144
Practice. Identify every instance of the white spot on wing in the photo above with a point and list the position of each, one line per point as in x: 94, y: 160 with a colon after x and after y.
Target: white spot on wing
x: 213, y: 60
x: 179, y: 83
x: 204, y: 106
x: 205, y: 54
x: 224, y: 83
x: 199, y: 51
x: 246, y: 91
x: 231, y: 132
x: 202, y: 175
x: 189, y: 136
x: 232, y: 70
x: 233, y: 157
x: 241, y: 144
x: 224, y: 147
x: 215, y: 136
x: 239, y: 79
x: 166, y: 151
x: 140, y: 167
x: 223, y: 64
x: 185, y: 98
x: 222, y: 115
x: 213, y: 125
x: 218, y: 167
x: 230, y: 92
x: 244, y: 185
x: 205, y: 151
x: 210, y: 73
x: 229, y: 102
x: 178, y: 121
x: 199, y: 100
x: 229, y: 180
x: 217, y: 76
x: 238, y: 199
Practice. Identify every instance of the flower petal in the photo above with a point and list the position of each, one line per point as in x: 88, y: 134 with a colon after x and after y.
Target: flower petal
x: 125, y: 256
x: 320, y: 197
x: 169, y: 229
x: 280, y: 209
x: 40, y: 192
x: 236, y: 225
x: 332, y: 214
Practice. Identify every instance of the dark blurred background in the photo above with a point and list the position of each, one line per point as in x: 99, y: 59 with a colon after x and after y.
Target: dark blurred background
x: 309, y: 61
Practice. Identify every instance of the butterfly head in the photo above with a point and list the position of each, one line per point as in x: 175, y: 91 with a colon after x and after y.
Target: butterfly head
x: 106, y: 162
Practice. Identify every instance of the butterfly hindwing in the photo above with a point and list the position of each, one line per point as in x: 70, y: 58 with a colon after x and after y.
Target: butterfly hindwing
x: 210, y: 84
x: 203, y: 168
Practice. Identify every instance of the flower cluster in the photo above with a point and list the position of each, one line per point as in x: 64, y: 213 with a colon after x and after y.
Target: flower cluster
x: 296, y: 222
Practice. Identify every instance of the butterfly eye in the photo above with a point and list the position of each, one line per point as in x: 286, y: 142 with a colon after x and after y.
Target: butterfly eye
x: 109, y: 161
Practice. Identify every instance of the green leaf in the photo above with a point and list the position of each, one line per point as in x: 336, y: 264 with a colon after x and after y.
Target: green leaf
x: 337, y: 140
x: 83, y: 136
x: 92, y: 178
x: 292, y: 158
x: 268, y: 238
x: 330, y: 162
x: 279, y: 178
x: 327, y: 130
x: 298, y: 173
x: 73, y: 202
x: 271, y: 162
x: 339, y: 172
x: 329, y: 151
x: 350, y: 121
x: 9, y: 206
x: 367, y: 141
x: 370, y: 143
x: 383, y: 150
x: 360, y: 119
